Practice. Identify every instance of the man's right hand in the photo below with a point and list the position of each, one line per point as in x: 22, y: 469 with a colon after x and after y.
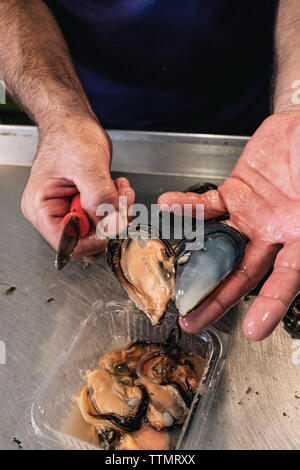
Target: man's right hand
x: 74, y: 151
x: 72, y: 157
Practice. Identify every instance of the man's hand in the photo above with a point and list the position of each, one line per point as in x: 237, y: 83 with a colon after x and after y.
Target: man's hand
x: 70, y: 159
x: 74, y: 151
x: 262, y: 197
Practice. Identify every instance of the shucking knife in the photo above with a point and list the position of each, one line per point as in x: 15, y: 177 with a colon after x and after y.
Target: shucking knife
x: 76, y: 224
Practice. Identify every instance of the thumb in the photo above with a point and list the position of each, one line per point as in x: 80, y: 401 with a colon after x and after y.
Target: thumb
x: 95, y: 190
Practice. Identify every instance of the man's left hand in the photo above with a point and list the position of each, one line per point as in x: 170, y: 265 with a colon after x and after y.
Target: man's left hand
x: 262, y: 197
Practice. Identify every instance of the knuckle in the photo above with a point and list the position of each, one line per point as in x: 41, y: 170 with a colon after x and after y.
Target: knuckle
x: 122, y: 180
x: 220, y: 307
x: 250, y: 280
x: 101, y: 191
x: 36, y: 199
x: 31, y: 202
x: 107, y: 192
x: 24, y: 206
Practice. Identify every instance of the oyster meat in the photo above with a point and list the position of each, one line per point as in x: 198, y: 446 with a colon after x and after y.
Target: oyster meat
x: 167, y: 406
x: 112, y: 401
x: 139, y: 395
x: 146, y: 270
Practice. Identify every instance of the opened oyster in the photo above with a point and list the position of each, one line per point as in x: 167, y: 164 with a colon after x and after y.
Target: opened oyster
x: 153, y: 272
x: 139, y: 395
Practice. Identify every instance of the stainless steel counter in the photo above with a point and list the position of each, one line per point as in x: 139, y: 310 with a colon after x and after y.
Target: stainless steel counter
x: 256, y: 404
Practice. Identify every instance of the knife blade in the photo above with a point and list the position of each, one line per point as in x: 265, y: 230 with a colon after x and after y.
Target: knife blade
x: 76, y: 224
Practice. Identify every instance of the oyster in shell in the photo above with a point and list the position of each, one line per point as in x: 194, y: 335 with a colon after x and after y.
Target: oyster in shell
x: 153, y: 272
x: 146, y: 270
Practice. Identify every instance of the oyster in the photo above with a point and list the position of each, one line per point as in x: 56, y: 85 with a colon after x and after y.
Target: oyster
x: 146, y: 270
x: 146, y: 438
x: 136, y: 407
x: 171, y: 380
x: 112, y: 401
x: 124, y: 361
x: 167, y: 406
x: 161, y: 367
x: 153, y: 273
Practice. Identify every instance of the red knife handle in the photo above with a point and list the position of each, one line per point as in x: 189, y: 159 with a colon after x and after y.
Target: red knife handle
x: 77, y: 211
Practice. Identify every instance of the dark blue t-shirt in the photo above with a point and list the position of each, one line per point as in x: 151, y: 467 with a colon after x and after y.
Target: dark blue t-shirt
x: 173, y: 65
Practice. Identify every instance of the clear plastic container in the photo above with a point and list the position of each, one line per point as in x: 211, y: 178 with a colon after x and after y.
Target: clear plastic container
x: 109, y: 326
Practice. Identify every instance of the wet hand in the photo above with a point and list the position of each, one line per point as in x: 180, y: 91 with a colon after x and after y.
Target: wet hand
x: 262, y: 197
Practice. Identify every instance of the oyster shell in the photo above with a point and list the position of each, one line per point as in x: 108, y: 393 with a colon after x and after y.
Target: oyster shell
x: 200, y: 272
x: 153, y: 273
x: 291, y: 320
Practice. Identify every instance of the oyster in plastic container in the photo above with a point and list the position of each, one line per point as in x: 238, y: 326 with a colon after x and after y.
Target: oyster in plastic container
x: 54, y: 414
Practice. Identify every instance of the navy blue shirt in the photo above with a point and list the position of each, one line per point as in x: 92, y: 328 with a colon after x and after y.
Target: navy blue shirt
x: 173, y: 65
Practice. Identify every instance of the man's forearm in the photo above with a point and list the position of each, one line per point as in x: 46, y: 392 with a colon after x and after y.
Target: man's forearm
x: 35, y: 63
x: 287, y: 55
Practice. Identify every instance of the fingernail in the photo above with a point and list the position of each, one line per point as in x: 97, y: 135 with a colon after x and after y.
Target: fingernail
x: 191, y: 323
x: 185, y: 322
x: 161, y: 200
x: 249, y: 329
x: 128, y: 192
x: 124, y: 182
x: 259, y: 328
